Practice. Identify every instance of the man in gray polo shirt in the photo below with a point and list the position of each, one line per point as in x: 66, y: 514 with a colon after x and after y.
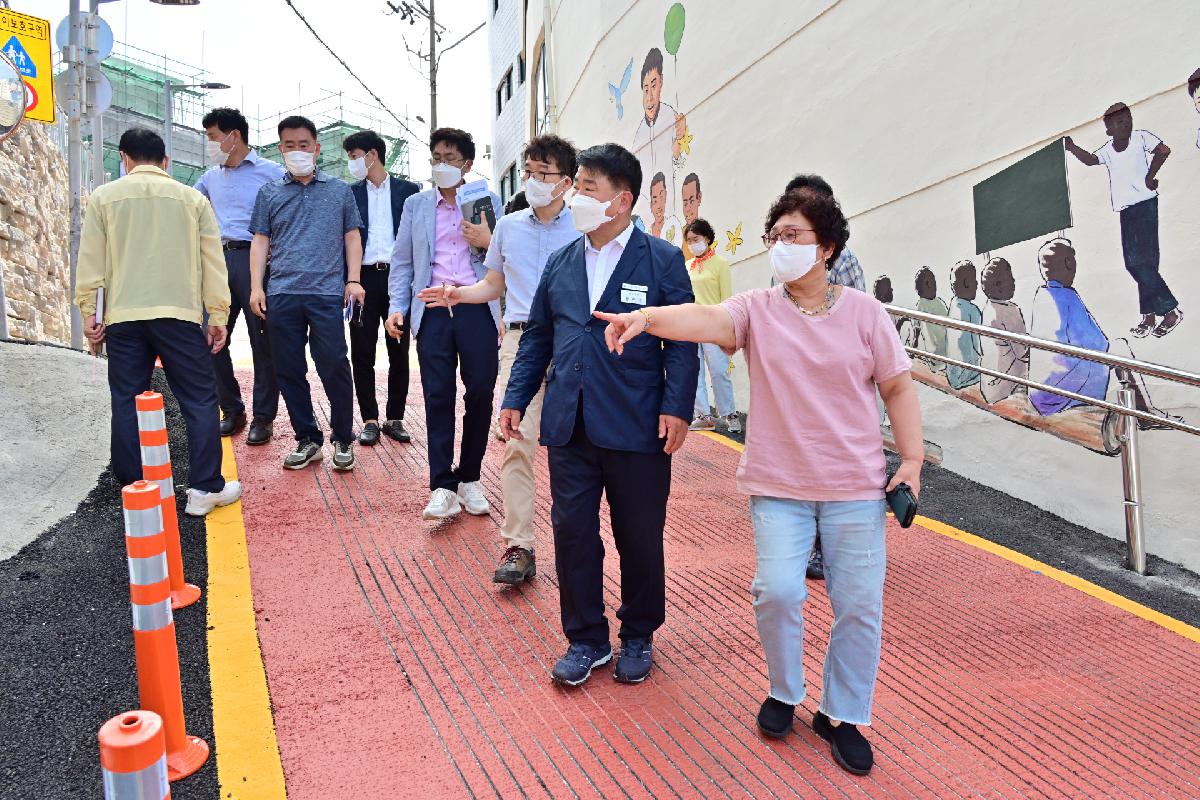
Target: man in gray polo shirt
x: 309, y: 222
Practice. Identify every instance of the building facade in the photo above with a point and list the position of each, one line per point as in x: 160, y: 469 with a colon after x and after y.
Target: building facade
x: 993, y: 160
x: 507, y: 55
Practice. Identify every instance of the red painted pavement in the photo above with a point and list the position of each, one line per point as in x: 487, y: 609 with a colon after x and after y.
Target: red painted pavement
x: 397, y: 669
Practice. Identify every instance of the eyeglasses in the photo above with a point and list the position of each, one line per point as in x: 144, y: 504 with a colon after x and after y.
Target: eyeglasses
x: 538, y: 175
x: 454, y: 162
x: 788, y: 236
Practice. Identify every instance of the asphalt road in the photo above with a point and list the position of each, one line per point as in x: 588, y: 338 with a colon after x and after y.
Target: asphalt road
x: 67, y: 643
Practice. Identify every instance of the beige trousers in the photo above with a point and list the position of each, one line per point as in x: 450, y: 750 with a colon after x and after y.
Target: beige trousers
x: 516, y: 471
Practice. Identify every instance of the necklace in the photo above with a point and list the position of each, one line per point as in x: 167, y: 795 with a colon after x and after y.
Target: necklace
x: 819, y: 310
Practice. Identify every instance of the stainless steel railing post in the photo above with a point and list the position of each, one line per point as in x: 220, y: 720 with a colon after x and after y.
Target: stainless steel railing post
x: 1131, y: 477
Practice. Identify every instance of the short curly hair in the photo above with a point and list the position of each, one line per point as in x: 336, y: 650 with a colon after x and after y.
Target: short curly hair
x: 819, y: 209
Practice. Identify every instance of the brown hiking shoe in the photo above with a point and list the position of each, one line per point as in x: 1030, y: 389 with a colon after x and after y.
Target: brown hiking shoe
x: 517, y: 566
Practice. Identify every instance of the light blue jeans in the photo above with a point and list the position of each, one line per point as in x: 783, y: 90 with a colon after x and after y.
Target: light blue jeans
x: 722, y: 381
x: 852, y: 542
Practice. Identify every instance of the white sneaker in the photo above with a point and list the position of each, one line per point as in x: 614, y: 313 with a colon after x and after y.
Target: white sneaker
x: 200, y: 503
x: 471, y: 495
x: 733, y: 423
x: 443, y: 504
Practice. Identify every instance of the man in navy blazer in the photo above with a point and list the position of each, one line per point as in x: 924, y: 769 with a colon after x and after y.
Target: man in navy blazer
x: 435, y: 246
x: 610, y: 424
x: 380, y: 198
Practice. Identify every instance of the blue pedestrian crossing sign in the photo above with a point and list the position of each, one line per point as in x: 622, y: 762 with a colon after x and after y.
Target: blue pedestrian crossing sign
x: 20, y: 59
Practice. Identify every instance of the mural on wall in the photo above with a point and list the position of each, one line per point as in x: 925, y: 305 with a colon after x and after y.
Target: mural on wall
x: 1193, y: 90
x: 656, y: 141
x: 616, y: 93
x: 663, y: 225
x: 964, y: 284
x: 1001, y: 355
x: 691, y: 198
x: 733, y: 240
x: 1133, y: 158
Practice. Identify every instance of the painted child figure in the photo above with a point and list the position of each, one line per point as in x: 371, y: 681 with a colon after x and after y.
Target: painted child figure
x: 931, y: 338
x: 1002, y: 313
x: 965, y: 286
x: 1133, y: 159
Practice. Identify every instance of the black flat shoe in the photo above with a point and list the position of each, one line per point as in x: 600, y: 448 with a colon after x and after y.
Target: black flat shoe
x: 261, y: 431
x: 395, y: 429
x: 233, y: 424
x: 369, y: 435
x: 850, y: 748
x: 775, y: 718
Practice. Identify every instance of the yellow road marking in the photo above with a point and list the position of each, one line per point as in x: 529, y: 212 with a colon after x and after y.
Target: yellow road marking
x: 248, y: 764
x: 1066, y: 578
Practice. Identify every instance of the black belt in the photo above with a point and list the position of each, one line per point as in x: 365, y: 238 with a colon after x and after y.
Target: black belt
x: 235, y: 244
x: 517, y: 326
x: 379, y: 266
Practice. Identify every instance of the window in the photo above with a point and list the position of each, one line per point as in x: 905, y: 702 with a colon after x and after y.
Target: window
x: 508, y: 183
x: 499, y: 101
x: 521, y: 69
x: 508, y: 84
x: 504, y: 91
x: 495, y: 6
x: 541, y: 92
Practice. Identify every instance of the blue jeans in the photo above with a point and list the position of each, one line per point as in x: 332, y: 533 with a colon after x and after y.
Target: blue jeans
x: 293, y: 319
x: 852, y: 542
x: 718, y: 368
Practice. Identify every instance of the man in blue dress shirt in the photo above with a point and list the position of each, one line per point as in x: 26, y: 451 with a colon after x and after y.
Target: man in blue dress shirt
x: 231, y: 184
x: 610, y: 425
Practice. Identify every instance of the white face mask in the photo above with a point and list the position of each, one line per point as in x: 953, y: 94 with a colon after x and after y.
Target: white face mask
x: 698, y: 248
x: 588, y: 213
x: 446, y: 176
x: 540, y: 194
x: 300, y: 162
x: 213, y: 152
x: 791, y: 262
x: 357, y: 167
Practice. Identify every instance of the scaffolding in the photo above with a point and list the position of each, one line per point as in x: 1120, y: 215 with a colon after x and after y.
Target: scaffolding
x: 138, y: 78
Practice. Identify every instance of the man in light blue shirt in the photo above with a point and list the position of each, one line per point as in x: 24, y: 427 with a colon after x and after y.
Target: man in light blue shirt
x: 231, y: 184
x: 521, y: 245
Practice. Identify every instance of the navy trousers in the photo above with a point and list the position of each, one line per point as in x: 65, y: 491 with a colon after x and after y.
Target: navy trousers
x: 1139, y: 246
x: 468, y: 340
x: 266, y: 388
x: 637, y: 486
x: 187, y: 362
x: 292, y: 321
x: 364, y: 339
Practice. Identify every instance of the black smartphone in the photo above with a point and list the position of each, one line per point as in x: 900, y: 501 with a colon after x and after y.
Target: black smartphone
x: 903, y: 504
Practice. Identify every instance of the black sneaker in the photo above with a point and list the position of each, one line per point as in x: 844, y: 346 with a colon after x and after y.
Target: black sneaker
x: 775, y: 718
x: 306, y: 452
x: 816, y: 565
x: 343, y: 457
x: 851, y: 750
x: 635, y: 661
x: 395, y: 429
x: 576, y: 666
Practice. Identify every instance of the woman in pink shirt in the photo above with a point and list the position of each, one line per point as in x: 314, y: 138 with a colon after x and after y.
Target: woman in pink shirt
x: 816, y: 353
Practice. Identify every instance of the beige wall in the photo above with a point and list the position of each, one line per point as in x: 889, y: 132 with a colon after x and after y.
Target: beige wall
x: 34, y: 217
x: 903, y: 107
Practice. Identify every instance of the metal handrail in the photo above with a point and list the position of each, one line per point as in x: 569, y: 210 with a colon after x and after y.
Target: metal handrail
x: 1143, y: 367
x: 1135, y: 547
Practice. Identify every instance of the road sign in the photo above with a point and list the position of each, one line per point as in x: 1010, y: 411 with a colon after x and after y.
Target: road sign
x: 104, y: 35
x: 26, y: 42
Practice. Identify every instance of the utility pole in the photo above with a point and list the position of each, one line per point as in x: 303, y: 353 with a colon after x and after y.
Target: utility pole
x: 75, y: 107
x: 93, y: 75
x: 432, y: 70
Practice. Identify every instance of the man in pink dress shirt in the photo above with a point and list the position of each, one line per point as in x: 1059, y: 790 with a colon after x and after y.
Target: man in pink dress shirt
x: 435, y: 246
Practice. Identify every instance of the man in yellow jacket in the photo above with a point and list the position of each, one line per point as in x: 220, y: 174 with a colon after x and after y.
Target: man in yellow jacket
x: 154, y: 247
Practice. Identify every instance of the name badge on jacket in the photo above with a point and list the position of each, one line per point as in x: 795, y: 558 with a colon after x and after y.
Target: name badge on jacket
x: 633, y: 294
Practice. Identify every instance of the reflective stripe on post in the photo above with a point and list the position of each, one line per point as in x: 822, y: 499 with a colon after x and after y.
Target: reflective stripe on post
x: 156, y: 467
x: 133, y: 757
x: 156, y: 651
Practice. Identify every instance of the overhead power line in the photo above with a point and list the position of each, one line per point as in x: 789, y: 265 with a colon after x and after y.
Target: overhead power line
x: 346, y: 66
